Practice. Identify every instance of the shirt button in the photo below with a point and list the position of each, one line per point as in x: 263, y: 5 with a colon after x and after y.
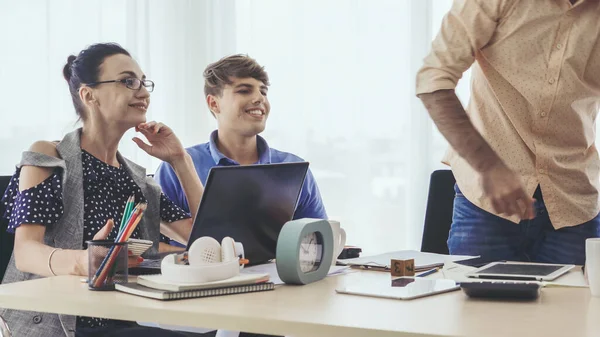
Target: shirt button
x: 541, y: 171
x: 543, y: 114
x: 551, y: 81
x: 559, y: 46
x: 37, y: 319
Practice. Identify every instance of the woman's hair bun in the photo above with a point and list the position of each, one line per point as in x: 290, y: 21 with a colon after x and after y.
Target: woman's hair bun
x: 67, y: 69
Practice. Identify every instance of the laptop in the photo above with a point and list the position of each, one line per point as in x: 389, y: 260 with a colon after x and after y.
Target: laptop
x: 248, y: 203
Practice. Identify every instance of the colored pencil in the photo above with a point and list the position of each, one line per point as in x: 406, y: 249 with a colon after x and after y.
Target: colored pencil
x: 127, y: 212
x: 124, y: 219
x: 109, y: 259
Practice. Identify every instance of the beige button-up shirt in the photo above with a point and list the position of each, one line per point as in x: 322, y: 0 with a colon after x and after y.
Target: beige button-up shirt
x: 535, y: 94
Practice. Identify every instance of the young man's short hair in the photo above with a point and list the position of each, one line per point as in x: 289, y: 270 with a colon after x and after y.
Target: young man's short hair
x: 219, y: 74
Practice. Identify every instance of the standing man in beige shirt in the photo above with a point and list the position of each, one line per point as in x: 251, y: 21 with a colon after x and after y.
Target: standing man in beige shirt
x: 523, y: 153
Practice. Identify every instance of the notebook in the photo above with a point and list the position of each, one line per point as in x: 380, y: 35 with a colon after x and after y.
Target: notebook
x: 139, y: 290
x: 157, y: 281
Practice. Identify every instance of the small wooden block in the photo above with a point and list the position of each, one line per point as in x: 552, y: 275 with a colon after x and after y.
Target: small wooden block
x: 402, y: 267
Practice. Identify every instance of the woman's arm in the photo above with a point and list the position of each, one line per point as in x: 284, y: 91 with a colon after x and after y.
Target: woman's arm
x: 166, y: 146
x: 164, y: 247
x: 192, y: 187
x: 189, y: 180
x: 179, y: 230
x: 31, y: 254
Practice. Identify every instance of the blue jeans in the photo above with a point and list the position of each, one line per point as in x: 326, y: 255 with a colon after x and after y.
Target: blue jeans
x: 477, y: 232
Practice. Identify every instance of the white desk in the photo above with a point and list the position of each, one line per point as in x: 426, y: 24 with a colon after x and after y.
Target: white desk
x: 316, y: 310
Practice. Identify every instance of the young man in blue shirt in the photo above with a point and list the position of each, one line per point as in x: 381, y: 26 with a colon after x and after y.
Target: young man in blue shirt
x: 236, y: 89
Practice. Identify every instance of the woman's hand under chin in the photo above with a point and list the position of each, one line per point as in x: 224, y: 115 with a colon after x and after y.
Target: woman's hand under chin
x: 164, y: 144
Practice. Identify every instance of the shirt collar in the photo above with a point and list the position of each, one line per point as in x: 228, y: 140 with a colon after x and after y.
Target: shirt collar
x: 264, y: 152
x: 97, y: 169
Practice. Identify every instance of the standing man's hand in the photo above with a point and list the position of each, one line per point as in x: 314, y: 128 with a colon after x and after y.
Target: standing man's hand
x: 500, y: 184
x: 506, y: 192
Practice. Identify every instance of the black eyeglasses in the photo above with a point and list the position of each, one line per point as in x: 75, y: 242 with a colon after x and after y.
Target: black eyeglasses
x: 131, y: 83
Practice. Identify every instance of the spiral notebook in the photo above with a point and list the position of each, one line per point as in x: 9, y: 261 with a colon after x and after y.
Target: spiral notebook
x: 159, y: 282
x: 139, y: 290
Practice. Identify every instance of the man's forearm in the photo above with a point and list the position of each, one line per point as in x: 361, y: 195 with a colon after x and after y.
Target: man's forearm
x: 451, y: 119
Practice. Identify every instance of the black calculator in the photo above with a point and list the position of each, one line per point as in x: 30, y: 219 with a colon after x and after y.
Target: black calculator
x: 502, y: 289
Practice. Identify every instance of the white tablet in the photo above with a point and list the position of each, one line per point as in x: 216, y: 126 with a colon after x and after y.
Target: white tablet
x: 521, y: 271
x: 401, y: 288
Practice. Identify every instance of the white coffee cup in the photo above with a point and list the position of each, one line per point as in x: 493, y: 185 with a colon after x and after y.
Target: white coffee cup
x: 592, y: 265
x: 339, y: 239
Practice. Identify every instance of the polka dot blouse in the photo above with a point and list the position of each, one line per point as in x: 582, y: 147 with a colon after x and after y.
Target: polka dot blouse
x: 105, y: 190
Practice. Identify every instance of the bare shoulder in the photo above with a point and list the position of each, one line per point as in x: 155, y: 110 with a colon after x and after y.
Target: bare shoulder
x: 33, y: 175
x: 45, y: 147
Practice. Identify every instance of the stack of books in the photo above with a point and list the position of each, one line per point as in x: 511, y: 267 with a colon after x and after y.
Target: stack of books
x: 155, y: 286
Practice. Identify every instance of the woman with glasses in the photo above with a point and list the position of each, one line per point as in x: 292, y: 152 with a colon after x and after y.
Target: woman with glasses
x: 66, y: 193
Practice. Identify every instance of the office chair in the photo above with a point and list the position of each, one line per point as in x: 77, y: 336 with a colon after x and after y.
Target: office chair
x: 6, y: 247
x: 438, y: 214
x: 7, y: 240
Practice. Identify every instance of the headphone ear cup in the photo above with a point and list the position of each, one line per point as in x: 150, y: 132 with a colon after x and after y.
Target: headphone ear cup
x: 203, y: 251
x: 227, y: 249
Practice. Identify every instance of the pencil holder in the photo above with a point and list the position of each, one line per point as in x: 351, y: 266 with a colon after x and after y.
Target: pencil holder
x: 107, y: 264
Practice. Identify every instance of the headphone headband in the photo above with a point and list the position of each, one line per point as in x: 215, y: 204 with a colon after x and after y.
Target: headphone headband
x: 208, y: 262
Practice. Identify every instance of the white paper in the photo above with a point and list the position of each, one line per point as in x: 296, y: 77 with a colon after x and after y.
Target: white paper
x: 271, y: 269
x: 422, y: 260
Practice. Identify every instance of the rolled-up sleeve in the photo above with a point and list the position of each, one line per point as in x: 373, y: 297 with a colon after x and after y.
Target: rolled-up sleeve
x: 466, y: 28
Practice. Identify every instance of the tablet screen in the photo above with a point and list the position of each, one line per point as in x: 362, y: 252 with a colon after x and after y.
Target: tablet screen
x: 520, y: 269
x: 400, y: 288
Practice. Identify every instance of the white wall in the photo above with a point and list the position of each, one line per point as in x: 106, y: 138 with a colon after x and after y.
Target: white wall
x: 342, y: 94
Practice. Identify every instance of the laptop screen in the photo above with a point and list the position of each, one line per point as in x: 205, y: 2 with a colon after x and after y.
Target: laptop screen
x: 250, y: 204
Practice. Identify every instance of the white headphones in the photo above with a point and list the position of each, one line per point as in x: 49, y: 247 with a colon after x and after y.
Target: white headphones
x: 208, y: 261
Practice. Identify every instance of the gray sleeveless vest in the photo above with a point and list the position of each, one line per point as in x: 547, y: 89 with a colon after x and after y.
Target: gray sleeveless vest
x: 67, y: 233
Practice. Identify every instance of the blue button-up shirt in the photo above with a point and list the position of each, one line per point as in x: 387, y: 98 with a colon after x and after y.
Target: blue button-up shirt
x: 207, y: 155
